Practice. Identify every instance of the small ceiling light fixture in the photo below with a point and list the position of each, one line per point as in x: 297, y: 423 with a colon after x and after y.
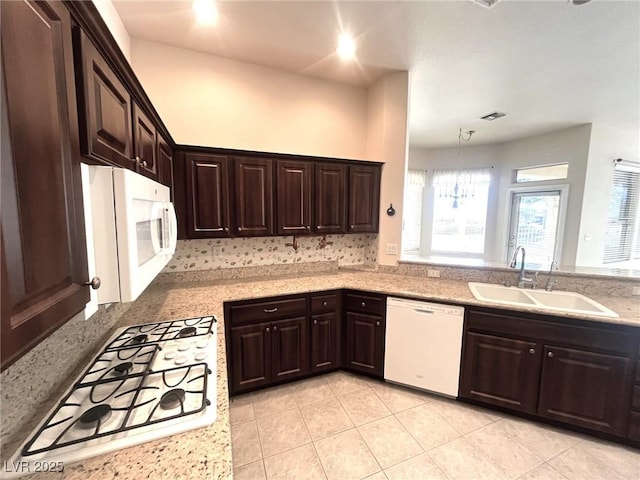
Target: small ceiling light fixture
x: 580, y: 2
x: 205, y: 11
x: 492, y: 116
x: 486, y: 3
x: 346, y: 47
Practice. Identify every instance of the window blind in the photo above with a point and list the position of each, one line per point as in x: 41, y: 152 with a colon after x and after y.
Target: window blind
x: 413, y: 195
x: 622, y: 241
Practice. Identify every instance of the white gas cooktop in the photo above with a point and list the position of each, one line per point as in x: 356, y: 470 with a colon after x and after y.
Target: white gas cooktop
x: 148, y: 382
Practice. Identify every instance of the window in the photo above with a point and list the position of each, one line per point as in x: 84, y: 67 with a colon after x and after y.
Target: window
x: 460, y: 210
x: 622, y: 237
x: 542, y: 173
x: 412, y: 221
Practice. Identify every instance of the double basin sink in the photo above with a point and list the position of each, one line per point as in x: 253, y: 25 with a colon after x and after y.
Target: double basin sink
x: 556, y: 301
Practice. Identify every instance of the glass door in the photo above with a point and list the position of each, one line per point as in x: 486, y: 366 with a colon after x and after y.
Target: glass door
x: 535, y: 225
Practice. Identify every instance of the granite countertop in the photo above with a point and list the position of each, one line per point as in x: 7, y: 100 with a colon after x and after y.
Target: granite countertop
x: 206, y: 453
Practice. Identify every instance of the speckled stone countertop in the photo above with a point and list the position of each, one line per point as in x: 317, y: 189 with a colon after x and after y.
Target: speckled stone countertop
x: 206, y: 453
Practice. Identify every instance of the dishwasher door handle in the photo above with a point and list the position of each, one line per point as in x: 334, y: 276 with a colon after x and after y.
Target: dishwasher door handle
x: 424, y: 312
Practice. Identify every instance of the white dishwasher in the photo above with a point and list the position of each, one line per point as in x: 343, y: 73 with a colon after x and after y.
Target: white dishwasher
x: 423, y: 345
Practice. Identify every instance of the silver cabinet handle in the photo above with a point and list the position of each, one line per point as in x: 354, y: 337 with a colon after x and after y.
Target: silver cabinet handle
x: 275, y: 328
x: 315, y: 322
x: 144, y: 164
x: 239, y: 229
x: 94, y: 283
x: 318, y: 227
x: 137, y: 160
x: 532, y: 351
x: 363, y: 304
x: 226, y: 229
x: 271, y: 310
x: 267, y: 329
x: 324, y: 303
x: 377, y: 324
x: 550, y: 354
x: 352, y: 226
x: 308, y: 227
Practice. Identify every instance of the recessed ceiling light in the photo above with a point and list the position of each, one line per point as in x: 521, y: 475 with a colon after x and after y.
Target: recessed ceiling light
x: 492, y: 116
x: 205, y: 10
x: 346, y: 47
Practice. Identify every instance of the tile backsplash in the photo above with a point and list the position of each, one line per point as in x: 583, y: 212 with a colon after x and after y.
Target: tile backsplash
x: 212, y: 254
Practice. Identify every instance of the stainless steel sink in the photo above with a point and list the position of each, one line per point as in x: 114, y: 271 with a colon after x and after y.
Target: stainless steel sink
x: 553, y: 301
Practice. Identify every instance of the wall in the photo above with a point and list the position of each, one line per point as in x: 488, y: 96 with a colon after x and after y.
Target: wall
x: 605, y: 145
x: 213, y: 101
x: 387, y: 141
x: 568, y: 145
x: 221, y: 253
x: 482, y: 156
x: 112, y: 19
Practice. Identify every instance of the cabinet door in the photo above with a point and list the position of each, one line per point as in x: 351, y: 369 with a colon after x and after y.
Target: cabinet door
x: 293, y: 183
x: 501, y: 371
x: 164, y: 154
x: 207, y: 195
x: 253, y: 196
x: 43, y: 244
x: 587, y: 389
x: 324, y: 342
x: 364, y: 199
x: 144, y: 136
x: 250, y: 364
x: 365, y: 343
x: 329, y: 197
x: 105, y: 107
x: 289, y: 347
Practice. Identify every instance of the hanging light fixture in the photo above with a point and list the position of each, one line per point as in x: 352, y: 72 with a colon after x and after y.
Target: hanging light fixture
x: 462, y: 137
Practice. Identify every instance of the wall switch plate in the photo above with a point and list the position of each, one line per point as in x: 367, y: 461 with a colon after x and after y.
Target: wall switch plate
x: 216, y: 250
x: 635, y: 291
x: 433, y: 273
x: 392, y: 249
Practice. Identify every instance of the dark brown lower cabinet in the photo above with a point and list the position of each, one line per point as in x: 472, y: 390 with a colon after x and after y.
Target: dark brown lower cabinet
x: 585, y: 388
x: 324, y: 342
x: 262, y: 353
x: 501, y: 371
x: 250, y: 357
x: 364, y: 343
x: 289, y: 351
x: 576, y: 373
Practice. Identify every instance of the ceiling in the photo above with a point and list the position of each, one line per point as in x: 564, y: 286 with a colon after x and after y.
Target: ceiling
x: 547, y: 64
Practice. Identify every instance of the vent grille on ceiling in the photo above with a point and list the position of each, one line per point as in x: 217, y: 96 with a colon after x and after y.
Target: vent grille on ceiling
x: 492, y: 116
x: 486, y: 3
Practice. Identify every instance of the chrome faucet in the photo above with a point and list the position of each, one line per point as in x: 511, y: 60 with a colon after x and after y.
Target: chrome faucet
x: 550, y: 281
x: 523, y: 281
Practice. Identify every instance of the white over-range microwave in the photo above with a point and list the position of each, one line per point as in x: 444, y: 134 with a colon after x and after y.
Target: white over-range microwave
x: 131, y: 232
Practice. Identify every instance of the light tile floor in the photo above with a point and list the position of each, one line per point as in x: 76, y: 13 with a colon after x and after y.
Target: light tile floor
x: 341, y: 426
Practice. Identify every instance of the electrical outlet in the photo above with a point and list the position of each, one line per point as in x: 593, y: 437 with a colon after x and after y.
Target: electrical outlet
x: 433, y: 273
x: 392, y: 249
x: 635, y: 291
x: 216, y: 250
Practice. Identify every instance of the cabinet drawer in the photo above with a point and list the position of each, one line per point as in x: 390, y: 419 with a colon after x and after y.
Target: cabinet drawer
x: 635, y: 403
x: 265, y: 311
x: 365, y: 304
x: 324, y: 303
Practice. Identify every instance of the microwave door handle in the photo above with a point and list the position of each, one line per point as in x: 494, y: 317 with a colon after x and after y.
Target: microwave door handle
x: 157, y: 237
x: 172, y: 222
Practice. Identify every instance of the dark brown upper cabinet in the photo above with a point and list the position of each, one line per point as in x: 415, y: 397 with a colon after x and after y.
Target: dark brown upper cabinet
x: 105, y: 108
x: 43, y: 241
x: 207, y: 195
x: 253, y: 182
x: 293, y: 185
x: 364, y: 198
x: 329, y: 197
x: 164, y: 155
x: 144, y: 141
